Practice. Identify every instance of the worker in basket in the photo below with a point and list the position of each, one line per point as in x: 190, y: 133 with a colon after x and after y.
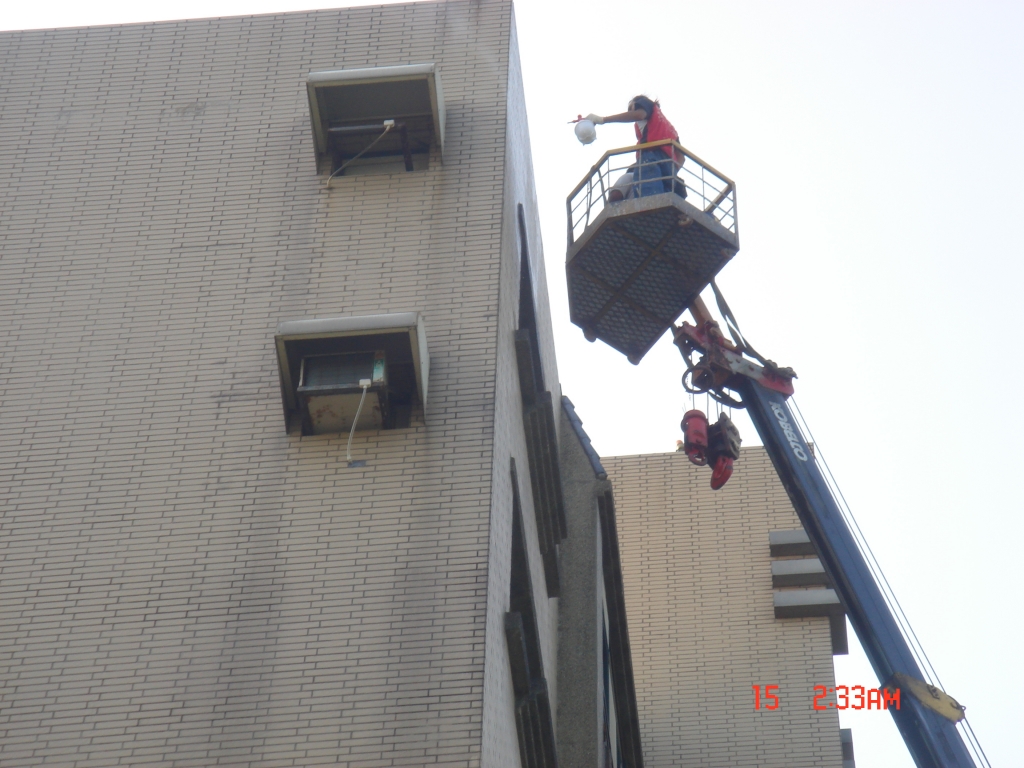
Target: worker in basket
x: 655, y: 170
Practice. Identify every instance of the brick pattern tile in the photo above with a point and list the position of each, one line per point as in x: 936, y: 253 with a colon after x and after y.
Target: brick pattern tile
x: 181, y: 583
x: 697, y: 576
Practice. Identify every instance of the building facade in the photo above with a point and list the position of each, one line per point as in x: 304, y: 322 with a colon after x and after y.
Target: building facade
x: 199, y: 566
x: 724, y: 593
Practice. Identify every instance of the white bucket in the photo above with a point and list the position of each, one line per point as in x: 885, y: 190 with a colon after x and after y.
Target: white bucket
x: 585, y: 131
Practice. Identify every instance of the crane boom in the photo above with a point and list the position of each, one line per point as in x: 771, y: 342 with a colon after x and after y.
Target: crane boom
x: 932, y: 739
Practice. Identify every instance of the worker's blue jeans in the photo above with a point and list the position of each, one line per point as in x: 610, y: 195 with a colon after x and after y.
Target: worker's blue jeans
x: 654, y: 173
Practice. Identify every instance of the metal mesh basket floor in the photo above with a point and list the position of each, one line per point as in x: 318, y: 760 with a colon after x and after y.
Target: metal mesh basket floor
x: 639, y: 266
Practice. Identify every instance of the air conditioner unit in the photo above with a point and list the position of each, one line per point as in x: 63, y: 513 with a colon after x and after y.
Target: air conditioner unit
x: 330, y: 390
x: 321, y: 361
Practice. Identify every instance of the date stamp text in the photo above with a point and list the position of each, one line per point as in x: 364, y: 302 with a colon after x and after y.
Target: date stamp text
x: 846, y: 697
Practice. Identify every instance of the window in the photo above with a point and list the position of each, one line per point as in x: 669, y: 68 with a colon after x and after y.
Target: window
x: 534, y: 723
x: 538, y: 423
x: 527, y: 307
x: 608, y: 740
x: 621, y: 710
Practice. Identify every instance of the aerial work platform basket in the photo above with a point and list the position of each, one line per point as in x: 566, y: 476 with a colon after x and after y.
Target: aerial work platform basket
x: 634, y: 265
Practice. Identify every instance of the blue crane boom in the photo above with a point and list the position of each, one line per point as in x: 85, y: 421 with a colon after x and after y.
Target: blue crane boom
x: 931, y: 738
x: 926, y: 722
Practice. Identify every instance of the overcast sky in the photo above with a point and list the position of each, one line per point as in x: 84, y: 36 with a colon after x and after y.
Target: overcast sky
x: 877, y: 151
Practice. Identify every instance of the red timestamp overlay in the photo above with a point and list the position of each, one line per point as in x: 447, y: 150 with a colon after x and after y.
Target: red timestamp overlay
x: 846, y: 697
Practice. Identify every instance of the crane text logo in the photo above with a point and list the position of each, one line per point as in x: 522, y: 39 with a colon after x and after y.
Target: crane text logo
x: 794, y: 441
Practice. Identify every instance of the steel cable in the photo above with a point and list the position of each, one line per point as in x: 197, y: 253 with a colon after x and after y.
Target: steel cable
x: 888, y: 594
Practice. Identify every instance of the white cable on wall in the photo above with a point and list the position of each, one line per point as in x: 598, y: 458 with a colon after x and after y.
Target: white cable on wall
x: 388, y: 125
x: 365, y: 384
x: 888, y: 594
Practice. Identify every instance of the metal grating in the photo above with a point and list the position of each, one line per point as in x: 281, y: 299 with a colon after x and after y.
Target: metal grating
x: 651, y: 226
x: 638, y: 267
x: 615, y: 256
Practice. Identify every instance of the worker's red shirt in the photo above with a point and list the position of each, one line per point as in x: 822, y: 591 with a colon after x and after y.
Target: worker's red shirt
x: 658, y: 128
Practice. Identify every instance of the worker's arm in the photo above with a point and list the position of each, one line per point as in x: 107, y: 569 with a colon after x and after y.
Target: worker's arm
x: 623, y: 117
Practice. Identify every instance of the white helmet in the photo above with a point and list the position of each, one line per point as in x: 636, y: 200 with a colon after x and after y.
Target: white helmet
x: 585, y: 131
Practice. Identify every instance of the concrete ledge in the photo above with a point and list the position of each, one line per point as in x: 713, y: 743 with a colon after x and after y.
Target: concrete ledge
x: 790, y: 543
x: 799, y: 573
x: 802, y: 603
x: 815, y: 603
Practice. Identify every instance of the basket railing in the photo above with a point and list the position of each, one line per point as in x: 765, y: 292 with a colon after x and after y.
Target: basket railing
x: 624, y: 174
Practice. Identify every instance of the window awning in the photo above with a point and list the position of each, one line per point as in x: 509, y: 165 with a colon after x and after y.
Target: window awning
x: 348, y: 109
x: 401, y: 336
